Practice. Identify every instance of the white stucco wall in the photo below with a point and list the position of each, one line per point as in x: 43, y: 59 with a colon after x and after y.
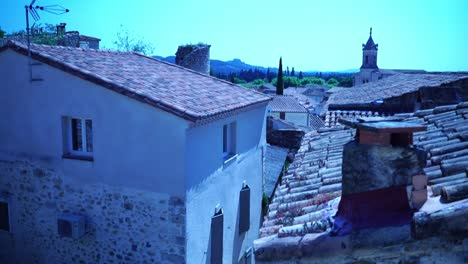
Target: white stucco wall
x: 135, y: 145
x: 210, y: 182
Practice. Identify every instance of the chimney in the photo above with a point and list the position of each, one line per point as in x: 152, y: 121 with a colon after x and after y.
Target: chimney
x: 377, y: 168
x: 61, y: 29
x: 194, y: 57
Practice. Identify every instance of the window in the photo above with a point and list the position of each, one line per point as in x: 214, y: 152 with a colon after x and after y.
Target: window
x: 78, y: 135
x: 229, y: 140
x: 367, y: 59
x: 4, y: 216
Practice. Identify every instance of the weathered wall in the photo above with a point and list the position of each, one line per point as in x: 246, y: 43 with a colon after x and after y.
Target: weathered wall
x: 211, y: 182
x: 134, y: 145
x: 125, y: 225
x: 194, y: 57
x: 301, y: 119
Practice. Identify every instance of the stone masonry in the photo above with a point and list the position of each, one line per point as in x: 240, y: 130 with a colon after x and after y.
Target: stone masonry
x: 123, y: 225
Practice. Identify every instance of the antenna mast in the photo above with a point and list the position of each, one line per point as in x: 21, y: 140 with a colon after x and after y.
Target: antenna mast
x: 31, y: 9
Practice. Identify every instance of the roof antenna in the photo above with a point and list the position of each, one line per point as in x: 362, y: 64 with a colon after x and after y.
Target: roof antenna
x: 31, y: 9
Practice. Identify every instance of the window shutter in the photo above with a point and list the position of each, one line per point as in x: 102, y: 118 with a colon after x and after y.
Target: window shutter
x: 244, y: 209
x: 217, y: 225
x: 4, y: 217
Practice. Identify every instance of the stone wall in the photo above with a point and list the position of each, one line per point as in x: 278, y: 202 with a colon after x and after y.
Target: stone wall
x: 123, y: 225
x: 194, y: 57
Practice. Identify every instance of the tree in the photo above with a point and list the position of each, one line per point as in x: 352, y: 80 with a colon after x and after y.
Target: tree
x: 287, y: 70
x: 127, y: 42
x: 280, y: 84
x: 300, y: 75
x: 292, y: 72
x: 332, y: 82
x: 212, y: 72
x: 2, y: 33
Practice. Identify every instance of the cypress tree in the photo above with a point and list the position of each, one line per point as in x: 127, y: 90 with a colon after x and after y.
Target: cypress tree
x: 279, y: 83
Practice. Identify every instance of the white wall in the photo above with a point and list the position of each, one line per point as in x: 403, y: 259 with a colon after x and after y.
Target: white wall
x: 135, y: 145
x: 209, y: 183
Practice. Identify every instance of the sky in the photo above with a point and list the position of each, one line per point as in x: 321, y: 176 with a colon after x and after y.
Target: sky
x: 324, y: 35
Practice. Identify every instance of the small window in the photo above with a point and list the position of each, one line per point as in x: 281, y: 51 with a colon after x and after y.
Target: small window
x: 229, y: 140
x: 4, y: 216
x: 367, y: 59
x: 78, y: 135
x: 244, y: 209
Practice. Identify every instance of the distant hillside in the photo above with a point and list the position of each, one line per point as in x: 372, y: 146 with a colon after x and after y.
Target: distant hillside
x: 236, y: 66
x: 225, y: 67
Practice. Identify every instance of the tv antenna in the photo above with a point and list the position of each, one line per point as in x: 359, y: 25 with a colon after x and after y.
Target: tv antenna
x: 31, y: 9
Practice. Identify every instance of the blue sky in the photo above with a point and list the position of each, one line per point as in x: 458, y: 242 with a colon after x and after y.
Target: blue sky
x: 308, y: 34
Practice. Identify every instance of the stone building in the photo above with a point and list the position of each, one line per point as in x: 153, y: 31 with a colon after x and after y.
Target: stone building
x: 115, y: 157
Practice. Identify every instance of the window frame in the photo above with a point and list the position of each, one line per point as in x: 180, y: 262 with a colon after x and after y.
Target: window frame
x: 69, y: 151
x: 229, y: 141
x: 8, y: 204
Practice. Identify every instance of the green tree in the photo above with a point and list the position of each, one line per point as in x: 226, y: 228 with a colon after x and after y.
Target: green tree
x: 238, y: 81
x: 41, y: 34
x: 280, y: 84
x: 332, y: 82
x: 346, y: 81
x: 292, y: 72
x: 312, y: 81
x: 291, y: 81
x: 300, y: 75
x: 127, y: 42
x: 2, y: 33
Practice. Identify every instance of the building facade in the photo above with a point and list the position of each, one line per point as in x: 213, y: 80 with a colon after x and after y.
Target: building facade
x: 97, y: 164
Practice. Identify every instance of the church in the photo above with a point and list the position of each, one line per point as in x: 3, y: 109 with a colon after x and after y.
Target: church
x: 369, y: 71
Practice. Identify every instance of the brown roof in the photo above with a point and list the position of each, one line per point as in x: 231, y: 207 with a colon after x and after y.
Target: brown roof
x: 307, y: 197
x: 180, y: 91
x: 390, y: 87
x: 286, y: 103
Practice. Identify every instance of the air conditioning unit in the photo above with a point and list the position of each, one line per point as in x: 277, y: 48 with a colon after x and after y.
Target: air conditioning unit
x: 71, y: 225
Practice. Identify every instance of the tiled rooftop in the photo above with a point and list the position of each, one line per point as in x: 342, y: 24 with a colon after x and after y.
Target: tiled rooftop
x: 390, y: 87
x: 185, y: 93
x: 315, y: 122
x: 285, y: 103
x: 332, y: 116
x: 308, y: 195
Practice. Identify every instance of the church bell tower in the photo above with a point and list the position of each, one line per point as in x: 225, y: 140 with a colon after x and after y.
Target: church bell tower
x: 369, y: 53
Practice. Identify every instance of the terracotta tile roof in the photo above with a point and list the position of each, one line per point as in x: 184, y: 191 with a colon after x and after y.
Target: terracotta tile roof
x: 307, y: 197
x: 182, y: 92
x: 390, y: 87
x: 315, y: 122
x: 285, y: 103
x: 332, y: 116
